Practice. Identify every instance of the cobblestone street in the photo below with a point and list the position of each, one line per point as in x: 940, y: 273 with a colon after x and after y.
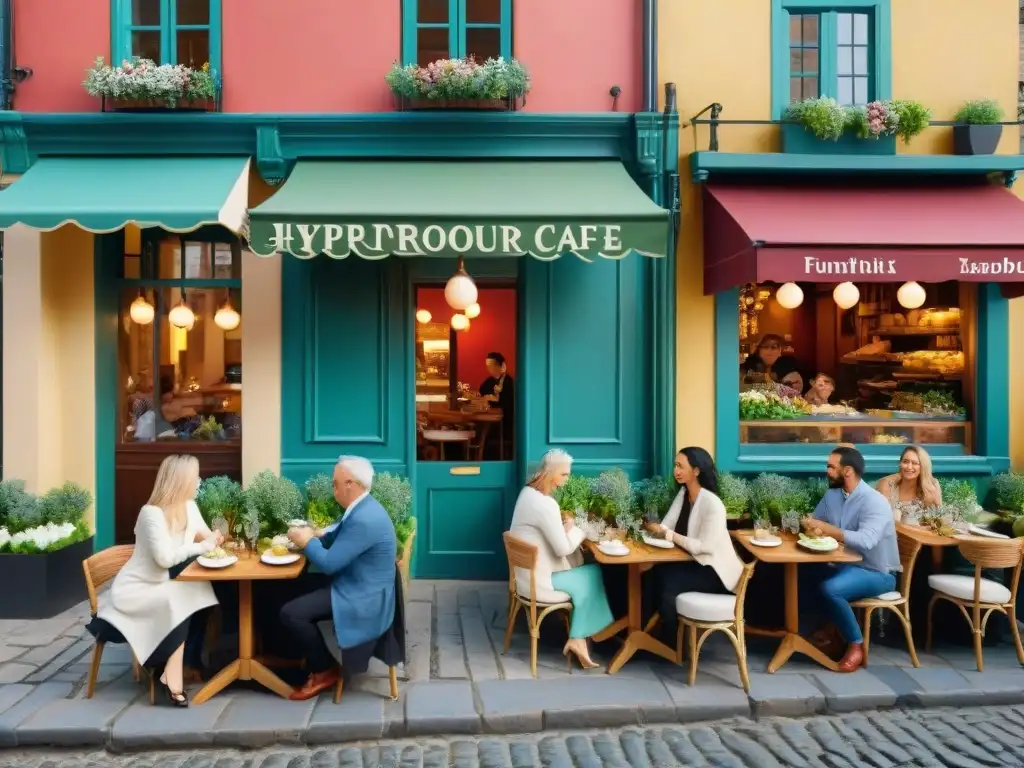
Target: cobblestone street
x: 961, y: 738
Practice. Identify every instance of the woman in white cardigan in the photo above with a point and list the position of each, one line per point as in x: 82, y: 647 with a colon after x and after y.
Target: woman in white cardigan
x: 144, y: 604
x: 537, y: 520
x: 696, y: 523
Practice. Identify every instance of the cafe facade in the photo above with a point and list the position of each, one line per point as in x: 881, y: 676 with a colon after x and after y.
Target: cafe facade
x: 248, y: 288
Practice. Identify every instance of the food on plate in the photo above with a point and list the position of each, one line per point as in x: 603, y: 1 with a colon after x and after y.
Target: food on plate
x: 884, y: 439
x: 278, y: 550
x: 937, y: 525
x: 816, y: 540
x: 763, y: 534
x: 833, y: 409
x: 217, y: 553
x: 655, y: 528
x: 868, y: 350
x: 942, y: 361
x: 813, y: 532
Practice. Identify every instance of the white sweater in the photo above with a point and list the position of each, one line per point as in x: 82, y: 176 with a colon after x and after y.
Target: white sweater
x: 707, y: 536
x: 538, y: 520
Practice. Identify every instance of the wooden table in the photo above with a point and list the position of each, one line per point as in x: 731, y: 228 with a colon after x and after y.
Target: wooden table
x: 791, y: 555
x: 929, y: 538
x: 245, y: 667
x: 483, y: 419
x: 640, y: 558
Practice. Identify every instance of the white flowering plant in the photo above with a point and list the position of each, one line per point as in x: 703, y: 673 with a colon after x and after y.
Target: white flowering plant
x: 460, y: 80
x: 32, y: 526
x: 158, y: 85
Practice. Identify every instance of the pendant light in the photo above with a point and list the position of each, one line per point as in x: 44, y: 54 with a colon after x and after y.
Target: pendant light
x: 911, y: 295
x: 846, y: 295
x: 423, y: 316
x: 227, y: 317
x: 460, y: 290
x: 460, y: 322
x: 182, y: 316
x: 789, y: 296
x: 473, y: 310
x: 141, y: 311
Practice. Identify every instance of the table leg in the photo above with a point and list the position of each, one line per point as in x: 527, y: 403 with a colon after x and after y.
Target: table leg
x: 792, y: 642
x: 636, y: 639
x: 245, y: 667
x: 937, y: 553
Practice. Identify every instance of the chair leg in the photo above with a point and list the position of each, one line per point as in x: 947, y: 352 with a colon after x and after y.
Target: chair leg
x: 136, y: 669
x: 978, y: 653
x: 741, y: 655
x: 534, y: 637
x: 867, y: 633
x: 1015, y: 631
x: 905, y: 621
x: 339, y: 687
x: 928, y: 626
x: 568, y: 635
x: 94, y: 669
x: 681, y: 628
x: 393, y: 682
x: 512, y: 614
x: 693, y: 653
x: 152, y: 690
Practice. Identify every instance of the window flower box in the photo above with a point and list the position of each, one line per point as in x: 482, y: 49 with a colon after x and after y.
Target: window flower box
x: 141, y: 85
x: 460, y: 84
x: 824, y: 126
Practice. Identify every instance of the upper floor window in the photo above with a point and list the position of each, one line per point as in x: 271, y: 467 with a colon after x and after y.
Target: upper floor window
x: 442, y: 29
x: 168, y: 31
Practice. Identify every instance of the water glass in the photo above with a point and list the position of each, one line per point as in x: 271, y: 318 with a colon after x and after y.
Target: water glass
x: 791, y: 521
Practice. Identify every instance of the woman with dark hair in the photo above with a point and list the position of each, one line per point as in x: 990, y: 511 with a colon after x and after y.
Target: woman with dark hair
x: 768, y: 361
x: 696, y: 522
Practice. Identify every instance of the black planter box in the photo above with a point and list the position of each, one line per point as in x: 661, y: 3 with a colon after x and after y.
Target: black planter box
x: 976, y: 139
x: 41, y: 586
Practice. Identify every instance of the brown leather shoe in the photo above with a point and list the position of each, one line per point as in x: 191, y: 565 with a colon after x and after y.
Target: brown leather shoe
x: 853, y: 658
x: 315, y: 684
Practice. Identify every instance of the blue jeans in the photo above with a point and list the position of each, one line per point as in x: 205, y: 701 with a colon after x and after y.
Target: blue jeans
x: 837, y: 586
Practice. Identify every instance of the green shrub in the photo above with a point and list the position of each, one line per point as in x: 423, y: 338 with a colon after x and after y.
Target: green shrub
x: 394, y: 493
x: 816, y: 489
x: 220, y: 497
x: 980, y: 112
x: 772, y: 494
x: 825, y: 117
x: 613, y: 494
x: 959, y: 497
x: 1007, y: 489
x: 577, y: 493
x: 273, y: 501
x: 67, y: 504
x: 735, y: 494
x: 652, y: 497
x: 322, y: 508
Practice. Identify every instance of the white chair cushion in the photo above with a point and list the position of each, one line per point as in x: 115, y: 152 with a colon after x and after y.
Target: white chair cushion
x: 889, y: 596
x: 701, y: 606
x: 544, y: 596
x: 962, y: 587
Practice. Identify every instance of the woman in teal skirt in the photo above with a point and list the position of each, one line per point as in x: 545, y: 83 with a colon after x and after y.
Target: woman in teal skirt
x: 559, y: 573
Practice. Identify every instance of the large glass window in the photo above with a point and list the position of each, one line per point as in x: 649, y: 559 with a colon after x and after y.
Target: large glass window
x: 168, y: 31
x: 830, y: 54
x: 852, y: 363
x: 441, y: 29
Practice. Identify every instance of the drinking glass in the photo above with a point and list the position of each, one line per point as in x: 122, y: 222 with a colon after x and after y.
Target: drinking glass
x: 791, y: 521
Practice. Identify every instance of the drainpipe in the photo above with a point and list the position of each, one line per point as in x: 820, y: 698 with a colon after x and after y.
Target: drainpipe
x: 650, y: 56
x: 6, y: 44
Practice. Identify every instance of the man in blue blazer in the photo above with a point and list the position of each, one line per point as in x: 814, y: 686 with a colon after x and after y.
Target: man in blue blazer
x: 854, y: 514
x: 357, y: 555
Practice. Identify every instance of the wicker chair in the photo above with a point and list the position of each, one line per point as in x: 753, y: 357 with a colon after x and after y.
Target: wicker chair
x: 524, y: 555
x: 714, y: 613
x: 897, y: 602
x: 980, y: 594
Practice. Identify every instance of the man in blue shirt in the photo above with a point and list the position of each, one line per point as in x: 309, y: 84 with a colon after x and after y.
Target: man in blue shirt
x: 858, y: 516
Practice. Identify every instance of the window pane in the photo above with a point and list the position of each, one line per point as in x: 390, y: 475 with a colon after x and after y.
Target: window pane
x: 810, y: 88
x: 483, y: 11
x: 432, y: 12
x: 145, y: 13
x: 135, y: 378
x: 795, y: 93
x: 860, y: 61
x: 431, y: 45
x: 483, y: 44
x: 193, y: 47
x: 795, y: 31
x: 198, y: 260
x: 810, y: 28
x: 796, y: 60
x: 810, y: 60
x: 845, y: 94
x: 225, y: 266
x: 860, y: 28
x: 146, y: 45
x: 860, y: 90
x: 844, y: 60
x: 191, y: 12
x: 844, y: 28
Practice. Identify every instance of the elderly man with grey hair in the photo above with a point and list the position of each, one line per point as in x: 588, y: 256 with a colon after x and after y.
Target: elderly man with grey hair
x: 357, y: 556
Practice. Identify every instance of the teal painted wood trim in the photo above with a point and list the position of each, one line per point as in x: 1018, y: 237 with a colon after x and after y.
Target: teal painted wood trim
x: 108, y: 253
x: 120, y: 32
x: 727, y: 380
x: 992, y: 410
x: 719, y: 165
x: 456, y: 26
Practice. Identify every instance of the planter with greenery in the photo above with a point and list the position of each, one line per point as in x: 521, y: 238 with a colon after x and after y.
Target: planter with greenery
x: 773, y: 495
x: 220, y: 499
x: 269, y: 502
x: 394, y: 493
x: 735, y: 494
x: 43, y: 542
x: 613, y: 503
x: 823, y: 125
x: 978, y: 127
x: 576, y: 497
x: 322, y: 509
x: 496, y: 84
x: 142, y: 85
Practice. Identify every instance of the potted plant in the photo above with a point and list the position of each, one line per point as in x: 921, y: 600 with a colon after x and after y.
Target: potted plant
x: 652, y: 498
x: 220, y: 499
x: 978, y: 127
x: 735, y: 494
x: 1007, y: 494
x: 496, y: 84
x: 613, y: 500
x: 394, y: 493
x: 141, y: 84
x: 322, y: 508
x: 271, y: 501
x: 823, y: 125
x: 771, y: 495
x: 43, y: 542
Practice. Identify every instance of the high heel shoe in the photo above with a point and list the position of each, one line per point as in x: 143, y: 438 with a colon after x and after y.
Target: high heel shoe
x: 176, y: 698
x: 585, y: 662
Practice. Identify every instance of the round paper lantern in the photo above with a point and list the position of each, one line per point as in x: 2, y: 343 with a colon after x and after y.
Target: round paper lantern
x: 473, y: 310
x: 789, y: 296
x: 460, y: 322
x: 227, y: 317
x: 911, y: 295
x: 141, y: 311
x: 846, y: 295
x: 460, y: 291
x: 423, y: 316
x: 182, y: 316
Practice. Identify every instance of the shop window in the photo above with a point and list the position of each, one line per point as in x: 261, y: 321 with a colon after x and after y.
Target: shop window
x: 180, y: 343
x: 441, y: 29
x: 840, y: 50
x: 875, y: 372
x: 168, y: 31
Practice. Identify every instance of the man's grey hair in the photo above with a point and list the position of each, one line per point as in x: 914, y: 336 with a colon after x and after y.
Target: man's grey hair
x: 360, y: 469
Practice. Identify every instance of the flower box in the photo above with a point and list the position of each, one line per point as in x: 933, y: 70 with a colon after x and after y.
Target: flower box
x: 799, y: 141
x: 460, y: 84
x: 403, y: 104
x: 142, y: 85
x: 41, y: 586
x: 155, y: 105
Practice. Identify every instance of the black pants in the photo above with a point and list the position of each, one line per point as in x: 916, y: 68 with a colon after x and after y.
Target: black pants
x: 675, y: 578
x: 300, y: 616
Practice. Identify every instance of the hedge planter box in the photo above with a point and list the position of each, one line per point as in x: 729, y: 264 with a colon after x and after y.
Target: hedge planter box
x: 41, y: 586
x: 403, y: 104
x: 976, y: 139
x: 155, y: 105
x: 799, y: 141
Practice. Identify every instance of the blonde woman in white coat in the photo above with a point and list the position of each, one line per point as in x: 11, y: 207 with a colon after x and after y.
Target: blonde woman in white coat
x: 538, y: 520
x: 696, y: 522
x: 144, y: 604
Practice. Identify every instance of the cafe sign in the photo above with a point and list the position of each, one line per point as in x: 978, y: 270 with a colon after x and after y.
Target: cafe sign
x: 545, y: 240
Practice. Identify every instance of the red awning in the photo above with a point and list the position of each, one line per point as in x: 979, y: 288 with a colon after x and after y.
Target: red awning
x: 830, y: 235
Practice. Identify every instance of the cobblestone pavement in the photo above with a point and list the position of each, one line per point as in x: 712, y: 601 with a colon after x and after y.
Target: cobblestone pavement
x: 942, y: 737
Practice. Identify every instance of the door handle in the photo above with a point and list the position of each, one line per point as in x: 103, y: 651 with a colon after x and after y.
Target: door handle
x: 464, y: 471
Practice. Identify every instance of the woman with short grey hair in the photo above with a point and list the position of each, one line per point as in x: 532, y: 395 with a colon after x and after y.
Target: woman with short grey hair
x: 537, y: 520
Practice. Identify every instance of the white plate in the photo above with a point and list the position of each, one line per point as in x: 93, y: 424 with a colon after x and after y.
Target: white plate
x: 979, y: 531
x: 270, y: 559
x: 217, y: 562
x: 298, y: 524
x: 773, y: 542
x: 620, y: 551
x: 663, y: 543
x: 828, y: 545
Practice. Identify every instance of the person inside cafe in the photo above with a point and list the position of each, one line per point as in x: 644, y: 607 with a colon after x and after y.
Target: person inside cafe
x: 859, y: 517
x: 356, y: 559
x: 821, y: 389
x: 559, y: 575
x: 499, y: 390
x: 695, y: 522
x: 913, y: 489
x: 145, y: 605
x: 767, y: 363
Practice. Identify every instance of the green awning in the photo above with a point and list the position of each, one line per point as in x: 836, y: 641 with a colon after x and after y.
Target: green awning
x: 426, y: 208
x: 98, y: 194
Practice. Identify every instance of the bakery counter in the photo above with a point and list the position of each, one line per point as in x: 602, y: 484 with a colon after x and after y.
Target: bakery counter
x: 918, y: 429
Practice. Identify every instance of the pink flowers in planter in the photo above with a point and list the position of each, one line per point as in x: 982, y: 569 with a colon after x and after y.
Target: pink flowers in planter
x: 882, y: 120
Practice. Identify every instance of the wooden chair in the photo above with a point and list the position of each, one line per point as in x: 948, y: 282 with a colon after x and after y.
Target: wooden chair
x: 897, y: 602
x: 714, y: 613
x: 99, y: 569
x: 980, y: 594
x: 524, y: 555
